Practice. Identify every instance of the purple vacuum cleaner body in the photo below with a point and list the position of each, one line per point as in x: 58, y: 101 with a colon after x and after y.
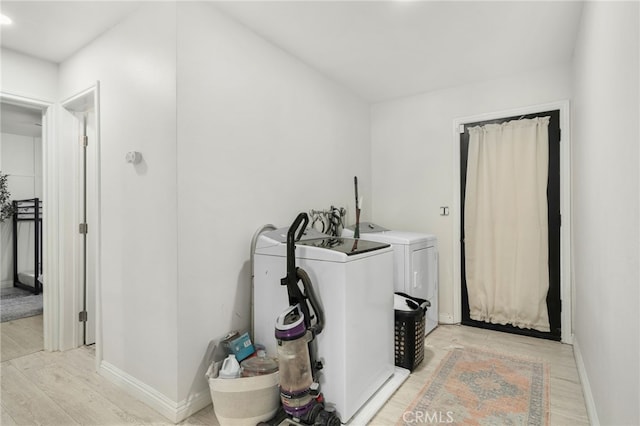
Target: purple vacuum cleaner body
x: 294, y: 331
x: 296, y: 377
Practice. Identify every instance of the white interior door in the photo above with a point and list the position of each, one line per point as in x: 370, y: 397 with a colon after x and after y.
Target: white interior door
x: 83, y: 108
x: 90, y: 241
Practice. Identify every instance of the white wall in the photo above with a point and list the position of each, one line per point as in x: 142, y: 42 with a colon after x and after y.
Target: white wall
x: 605, y: 207
x: 261, y: 137
x: 412, y: 154
x: 137, y: 74
x: 252, y: 136
x: 21, y: 159
x: 28, y: 77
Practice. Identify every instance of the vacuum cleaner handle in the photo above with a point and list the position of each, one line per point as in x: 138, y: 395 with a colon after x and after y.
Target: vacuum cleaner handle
x: 291, y: 280
x: 301, y: 219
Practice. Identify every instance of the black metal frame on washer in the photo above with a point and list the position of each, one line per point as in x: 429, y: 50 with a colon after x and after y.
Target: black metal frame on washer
x: 26, y: 211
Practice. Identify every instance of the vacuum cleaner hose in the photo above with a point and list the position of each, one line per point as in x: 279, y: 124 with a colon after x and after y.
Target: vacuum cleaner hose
x: 315, y: 303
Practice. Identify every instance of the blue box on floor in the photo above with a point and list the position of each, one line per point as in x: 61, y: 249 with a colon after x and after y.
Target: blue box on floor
x: 242, y: 347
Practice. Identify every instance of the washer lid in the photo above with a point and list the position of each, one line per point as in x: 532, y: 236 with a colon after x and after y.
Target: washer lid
x: 402, y: 237
x: 280, y: 234
x: 348, y: 246
x: 367, y: 227
x: 396, y: 237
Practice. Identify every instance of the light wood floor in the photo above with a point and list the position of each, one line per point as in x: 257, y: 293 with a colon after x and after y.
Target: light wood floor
x: 62, y: 388
x: 21, y: 337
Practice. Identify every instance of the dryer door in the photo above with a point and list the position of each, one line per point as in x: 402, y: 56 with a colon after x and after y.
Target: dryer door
x: 424, y: 284
x: 419, y: 273
x: 432, y: 289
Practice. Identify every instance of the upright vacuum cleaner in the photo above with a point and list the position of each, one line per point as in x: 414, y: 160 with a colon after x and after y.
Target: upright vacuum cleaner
x: 295, y: 332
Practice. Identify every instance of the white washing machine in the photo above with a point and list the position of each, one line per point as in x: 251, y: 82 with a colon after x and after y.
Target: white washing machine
x: 354, y: 282
x: 415, y: 266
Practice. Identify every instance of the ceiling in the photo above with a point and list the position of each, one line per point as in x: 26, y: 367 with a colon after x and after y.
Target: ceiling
x: 388, y: 49
x: 378, y: 49
x: 55, y: 30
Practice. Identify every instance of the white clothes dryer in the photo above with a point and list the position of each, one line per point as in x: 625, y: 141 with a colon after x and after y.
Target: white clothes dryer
x: 354, y: 281
x: 415, y: 268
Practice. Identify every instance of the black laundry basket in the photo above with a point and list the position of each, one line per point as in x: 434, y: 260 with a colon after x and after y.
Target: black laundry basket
x: 409, y: 335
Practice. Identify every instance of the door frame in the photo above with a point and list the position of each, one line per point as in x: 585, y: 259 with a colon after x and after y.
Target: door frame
x: 88, y: 99
x: 52, y: 244
x: 566, y: 284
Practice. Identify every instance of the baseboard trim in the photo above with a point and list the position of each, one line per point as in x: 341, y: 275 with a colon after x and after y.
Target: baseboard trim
x: 194, y: 403
x: 584, y: 381
x: 174, y: 411
x: 445, y: 319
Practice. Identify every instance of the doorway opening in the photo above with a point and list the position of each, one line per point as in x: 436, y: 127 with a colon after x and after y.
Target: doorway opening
x: 21, y: 243
x: 553, y: 195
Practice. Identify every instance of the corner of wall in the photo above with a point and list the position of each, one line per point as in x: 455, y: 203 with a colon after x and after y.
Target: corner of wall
x: 586, y: 387
x: 174, y: 411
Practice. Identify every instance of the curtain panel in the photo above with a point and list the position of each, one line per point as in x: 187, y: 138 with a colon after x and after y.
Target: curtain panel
x: 505, y: 223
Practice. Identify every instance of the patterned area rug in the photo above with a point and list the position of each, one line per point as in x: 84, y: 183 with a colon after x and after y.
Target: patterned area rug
x: 475, y: 387
x: 16, y: 303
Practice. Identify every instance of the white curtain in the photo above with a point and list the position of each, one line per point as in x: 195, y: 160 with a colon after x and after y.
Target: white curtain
x: 505, y: 223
